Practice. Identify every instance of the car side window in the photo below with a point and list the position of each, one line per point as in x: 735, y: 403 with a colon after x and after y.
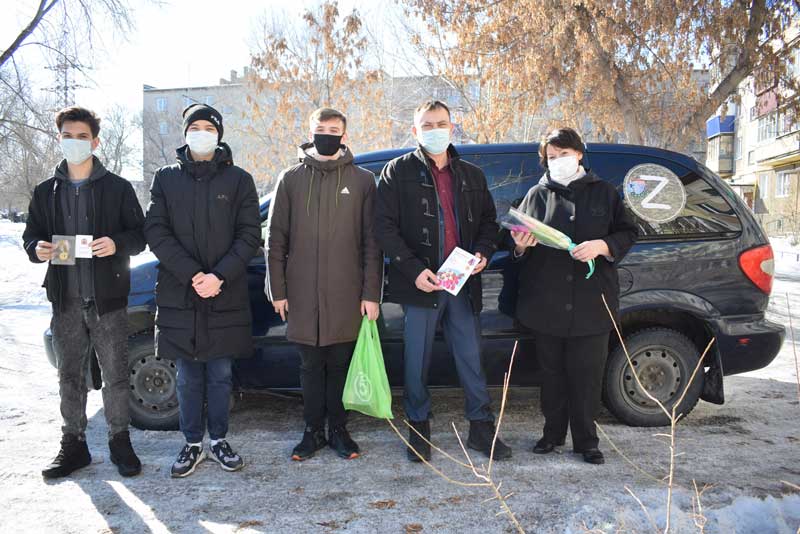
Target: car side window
x: 375, y: 168
x: 509, y: 176
x: 706, y: 212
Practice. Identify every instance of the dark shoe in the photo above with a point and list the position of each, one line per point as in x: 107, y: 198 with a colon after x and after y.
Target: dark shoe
x: 419, y: 444
x: 593, y: 456
x: 313, y: 440
x: 481, y: 434
x: 222, y: 453
x: 189, y: 458
x: 545, y: 447
x: 340, y: 441
x: 73, y: 455
x: 122, y: 454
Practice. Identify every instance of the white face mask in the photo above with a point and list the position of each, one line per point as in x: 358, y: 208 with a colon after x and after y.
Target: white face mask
x: 562, y: 169
x: 76, y: 151
x: 201, y: 142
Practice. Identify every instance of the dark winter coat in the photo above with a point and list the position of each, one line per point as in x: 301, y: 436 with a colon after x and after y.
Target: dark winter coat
x: 113, y: 211
x: 555, y: 297
x: 203, y: 217
x: 321, y: 249
x: 410, y: 229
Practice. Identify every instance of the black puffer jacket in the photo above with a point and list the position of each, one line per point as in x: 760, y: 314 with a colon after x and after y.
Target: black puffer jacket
x: 408, y: 224
x: 113, y: 212
x: 203, y: 217
x: 554, y: 295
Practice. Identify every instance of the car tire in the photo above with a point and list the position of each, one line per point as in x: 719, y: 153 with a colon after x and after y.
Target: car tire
x: 665, y: 360
x: 153, y: 386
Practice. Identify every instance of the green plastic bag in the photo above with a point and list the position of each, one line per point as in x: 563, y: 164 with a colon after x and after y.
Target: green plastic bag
x: 367, y: 387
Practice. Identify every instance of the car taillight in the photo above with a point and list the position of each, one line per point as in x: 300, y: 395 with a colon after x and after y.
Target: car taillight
x: 759, y: 266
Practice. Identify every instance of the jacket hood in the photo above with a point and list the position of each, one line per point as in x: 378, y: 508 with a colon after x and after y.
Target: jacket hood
x: 222, y: 157
x: 306, y: 154
x: 589, y: 178
x: 61, y: 171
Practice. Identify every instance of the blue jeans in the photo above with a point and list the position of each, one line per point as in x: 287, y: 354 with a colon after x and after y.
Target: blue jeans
x: 204, y: 381
x: 462, y: 333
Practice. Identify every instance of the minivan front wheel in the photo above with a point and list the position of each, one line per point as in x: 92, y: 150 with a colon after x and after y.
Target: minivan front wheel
x: 664, y: 360
x: 153, y: 396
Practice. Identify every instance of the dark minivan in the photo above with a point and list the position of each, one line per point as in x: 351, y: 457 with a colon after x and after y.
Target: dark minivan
x: 701, y: 269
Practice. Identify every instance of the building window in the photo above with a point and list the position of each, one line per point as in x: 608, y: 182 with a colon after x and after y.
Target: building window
x: 188, y: 101
x: 767, y: 127
x: 763, y: 184
x: 209, y: 100
x: 737, y: 147
x: 163, y: 128
x: 713, y: 149
x: 783, y: 182
x: 787, y: 122
x: 161, y: 104
x: 796, y: 62
x: 751, y: 157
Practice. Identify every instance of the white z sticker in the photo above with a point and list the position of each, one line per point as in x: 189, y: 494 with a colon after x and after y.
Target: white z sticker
x: 662, y: 183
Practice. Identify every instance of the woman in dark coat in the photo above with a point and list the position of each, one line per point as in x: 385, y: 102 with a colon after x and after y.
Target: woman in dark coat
x: 557, y: 302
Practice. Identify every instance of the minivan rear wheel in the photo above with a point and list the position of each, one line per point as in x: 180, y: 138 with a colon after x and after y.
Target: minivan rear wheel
x: 153, y: 396
x: 664, y: 360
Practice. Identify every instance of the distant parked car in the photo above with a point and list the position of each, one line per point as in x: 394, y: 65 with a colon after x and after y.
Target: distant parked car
x: 702, y: 268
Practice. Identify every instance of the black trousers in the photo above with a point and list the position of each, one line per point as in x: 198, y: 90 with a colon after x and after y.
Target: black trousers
x: 323, y: 372
x: 572, y: 374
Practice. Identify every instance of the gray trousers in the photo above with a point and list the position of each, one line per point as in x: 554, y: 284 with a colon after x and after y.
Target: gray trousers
x: 462, y: 331
x: 75, y: 329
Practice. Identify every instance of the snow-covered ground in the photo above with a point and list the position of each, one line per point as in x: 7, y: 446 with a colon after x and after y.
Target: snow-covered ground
x: 744, y: 449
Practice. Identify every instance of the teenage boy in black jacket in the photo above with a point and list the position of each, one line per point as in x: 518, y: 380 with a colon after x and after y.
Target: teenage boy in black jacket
x: 89, y: 298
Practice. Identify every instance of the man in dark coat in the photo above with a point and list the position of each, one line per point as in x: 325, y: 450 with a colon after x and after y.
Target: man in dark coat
x: 89, y: 297
x: 325, y: 264
x: 203, y: 225
x: 429, y: 203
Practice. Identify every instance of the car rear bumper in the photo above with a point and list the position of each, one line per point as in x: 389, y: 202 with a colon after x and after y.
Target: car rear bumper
x: 747, y: 343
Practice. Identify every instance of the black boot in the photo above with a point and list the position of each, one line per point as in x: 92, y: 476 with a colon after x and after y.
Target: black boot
x: 481, y: 434
x: 593, y: 456
x: 545, y: 446
x: 122, y: 454
x: 419, y: 444
x: 340, y: 441
x: 313, y: 440
x: 73, y: 455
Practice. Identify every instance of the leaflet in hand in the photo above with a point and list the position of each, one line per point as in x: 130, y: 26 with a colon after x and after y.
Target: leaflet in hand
x: 517, y: 221
x: 83, y: 247
x: 64, y: 253
x: 455, y: 271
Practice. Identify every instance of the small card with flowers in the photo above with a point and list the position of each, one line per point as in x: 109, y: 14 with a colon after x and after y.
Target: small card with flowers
x: 455, y: 271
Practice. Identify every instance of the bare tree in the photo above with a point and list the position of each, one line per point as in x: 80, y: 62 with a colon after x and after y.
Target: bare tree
x: 117, y: 150
x: 630, y: 68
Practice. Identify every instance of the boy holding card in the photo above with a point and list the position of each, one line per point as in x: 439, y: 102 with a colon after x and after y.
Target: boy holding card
x: 87, y: 222
x: 431, y: 204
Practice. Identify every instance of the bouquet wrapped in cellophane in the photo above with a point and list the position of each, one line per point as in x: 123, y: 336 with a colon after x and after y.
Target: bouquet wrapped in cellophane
x: 517, y: 221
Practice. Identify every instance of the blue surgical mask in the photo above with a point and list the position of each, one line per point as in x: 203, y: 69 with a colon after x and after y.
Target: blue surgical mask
x: 435, y: 141
x: 76, y: 151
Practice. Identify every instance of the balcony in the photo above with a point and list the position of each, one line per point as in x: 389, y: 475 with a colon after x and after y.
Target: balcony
x: 781, y: 150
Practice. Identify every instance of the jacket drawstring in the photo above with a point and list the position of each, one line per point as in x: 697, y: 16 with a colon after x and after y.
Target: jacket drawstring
x: 338, y: 185
x: 310, y: 187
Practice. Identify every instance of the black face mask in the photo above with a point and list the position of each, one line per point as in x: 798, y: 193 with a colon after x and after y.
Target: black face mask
x: 326, y: 144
